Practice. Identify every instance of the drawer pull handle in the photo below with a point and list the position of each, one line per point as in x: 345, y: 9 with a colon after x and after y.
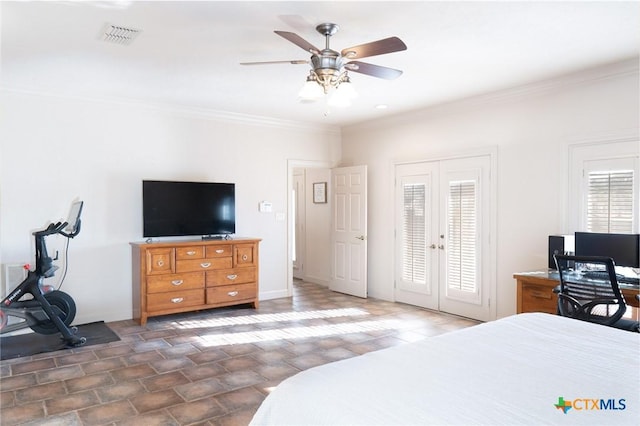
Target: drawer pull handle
x: 232, y: 277
x: 177, y: 282
x: 245, y: 257
x: 191, y: 253
x: 233, y: 293
x: 160, y: 262
x: 220, y: 251
x: 540, y: 295
x: 205, y: 265
x: 177, y: 299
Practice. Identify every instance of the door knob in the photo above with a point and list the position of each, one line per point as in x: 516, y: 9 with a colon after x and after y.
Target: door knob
x: 432, y: 246
x: 361, y: 237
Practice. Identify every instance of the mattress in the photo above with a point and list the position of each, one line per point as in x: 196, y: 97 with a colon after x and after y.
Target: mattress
x: 531, y: 368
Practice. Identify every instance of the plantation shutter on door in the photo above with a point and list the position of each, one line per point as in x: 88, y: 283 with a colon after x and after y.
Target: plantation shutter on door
x: 414, y: 253
x: 462, y: 240
x: 610, y: 201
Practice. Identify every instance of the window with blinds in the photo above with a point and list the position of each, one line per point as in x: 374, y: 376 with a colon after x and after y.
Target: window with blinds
x: 610, y: 201
x: 461, y: 233
x: 414, y: 253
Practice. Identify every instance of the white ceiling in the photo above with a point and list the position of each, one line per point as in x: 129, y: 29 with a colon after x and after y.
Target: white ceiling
x: 188, y: 53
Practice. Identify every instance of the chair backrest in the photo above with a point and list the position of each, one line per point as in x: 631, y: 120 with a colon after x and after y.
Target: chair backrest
x: 589, y: 289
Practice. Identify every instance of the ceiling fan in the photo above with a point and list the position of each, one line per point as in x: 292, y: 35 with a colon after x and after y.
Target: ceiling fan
x: 329, y: 68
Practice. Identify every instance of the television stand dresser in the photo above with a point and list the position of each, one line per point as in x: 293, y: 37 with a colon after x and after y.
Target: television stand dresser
x: 182, y: 276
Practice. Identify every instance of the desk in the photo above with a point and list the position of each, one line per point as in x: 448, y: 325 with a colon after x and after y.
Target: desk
x: 535, y: 292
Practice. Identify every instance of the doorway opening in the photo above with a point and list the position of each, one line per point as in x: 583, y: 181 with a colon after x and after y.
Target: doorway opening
x: 307, y: 224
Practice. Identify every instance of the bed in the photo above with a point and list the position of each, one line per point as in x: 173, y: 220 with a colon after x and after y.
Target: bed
x: 516, y: 370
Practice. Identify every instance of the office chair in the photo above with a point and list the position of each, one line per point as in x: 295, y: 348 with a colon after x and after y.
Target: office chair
x: 592, y: 294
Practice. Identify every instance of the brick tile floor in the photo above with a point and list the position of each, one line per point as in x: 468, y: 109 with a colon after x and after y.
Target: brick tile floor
x: 212, y: 367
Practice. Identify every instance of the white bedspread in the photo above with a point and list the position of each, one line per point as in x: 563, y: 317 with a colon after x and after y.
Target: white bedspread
x: 509, y: 371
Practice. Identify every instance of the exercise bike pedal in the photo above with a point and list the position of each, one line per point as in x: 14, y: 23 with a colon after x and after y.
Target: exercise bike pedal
x: 75, y: 341
x: 78, y: 341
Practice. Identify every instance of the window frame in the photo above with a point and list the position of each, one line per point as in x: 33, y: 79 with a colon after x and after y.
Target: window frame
x: 608, y: 152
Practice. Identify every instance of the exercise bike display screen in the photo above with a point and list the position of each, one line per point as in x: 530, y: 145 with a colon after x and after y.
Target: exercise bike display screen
x: 173, y: 209
x: 74, y: 217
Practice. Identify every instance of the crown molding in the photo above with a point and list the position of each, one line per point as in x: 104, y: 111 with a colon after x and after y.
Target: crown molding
x: 185, y: 111
x: 627, y: 67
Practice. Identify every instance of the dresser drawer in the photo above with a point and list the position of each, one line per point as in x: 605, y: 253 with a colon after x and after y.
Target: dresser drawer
x: 191, y: 252
x: 245, y: 255
x: 160, y: 261
x: 175, y: 282
x: 231, y: 293
x: 538, y: 299
x: 232, y: 276
x: 220, y: 251
x: 174, y: 300
x: 203, y: 264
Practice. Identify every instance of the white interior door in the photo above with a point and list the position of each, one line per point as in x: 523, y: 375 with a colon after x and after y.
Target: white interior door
x: 349, y: 230
x: 443, y: 236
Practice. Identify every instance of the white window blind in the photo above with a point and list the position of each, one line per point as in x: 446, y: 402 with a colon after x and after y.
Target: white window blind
x: 461, y: 232
x: 610, y: 201
x: 414, y: 253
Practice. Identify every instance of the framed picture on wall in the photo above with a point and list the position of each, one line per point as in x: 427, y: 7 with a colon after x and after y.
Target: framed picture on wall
x: 320, y: 192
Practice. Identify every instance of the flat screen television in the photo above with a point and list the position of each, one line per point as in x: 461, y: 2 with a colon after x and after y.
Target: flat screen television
x: 171, y: 208
x: 623, y: 248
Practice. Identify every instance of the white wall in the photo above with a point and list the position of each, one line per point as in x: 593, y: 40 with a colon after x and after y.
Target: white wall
x: 531, y: 127
x: 318, y: 226
x: 55, y: 149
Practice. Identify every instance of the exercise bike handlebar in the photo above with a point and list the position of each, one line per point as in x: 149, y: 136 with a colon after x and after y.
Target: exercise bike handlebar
x: 57, y: 228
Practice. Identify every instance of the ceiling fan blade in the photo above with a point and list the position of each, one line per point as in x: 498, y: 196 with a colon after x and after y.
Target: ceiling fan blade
x: 373, y: 70
x: 294, y: 62
x: 380, y: 47
x: 298, y: 41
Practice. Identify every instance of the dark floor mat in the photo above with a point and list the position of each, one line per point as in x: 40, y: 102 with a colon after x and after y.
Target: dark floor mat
x: 34, y: 343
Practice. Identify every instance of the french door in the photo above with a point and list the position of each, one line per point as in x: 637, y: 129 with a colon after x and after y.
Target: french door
x: 443, y: 245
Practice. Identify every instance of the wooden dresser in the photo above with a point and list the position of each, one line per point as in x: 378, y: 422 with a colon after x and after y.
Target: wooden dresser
x: 181, y: 276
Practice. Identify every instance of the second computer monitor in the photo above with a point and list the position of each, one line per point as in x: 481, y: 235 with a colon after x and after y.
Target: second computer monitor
x: 623, y: 248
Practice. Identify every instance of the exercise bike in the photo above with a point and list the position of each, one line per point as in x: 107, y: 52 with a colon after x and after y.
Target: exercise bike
x: 48, y: 311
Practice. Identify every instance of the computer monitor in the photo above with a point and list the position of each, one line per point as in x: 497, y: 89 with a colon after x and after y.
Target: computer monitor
x: 623, y: 248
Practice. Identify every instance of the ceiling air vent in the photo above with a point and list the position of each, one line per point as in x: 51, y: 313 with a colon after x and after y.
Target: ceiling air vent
x: 120, y: 35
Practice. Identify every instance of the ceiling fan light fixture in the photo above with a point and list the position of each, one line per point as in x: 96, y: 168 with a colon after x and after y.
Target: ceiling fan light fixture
x: 344, y: 93
x: 311, y: 90
x: 345, y: 89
